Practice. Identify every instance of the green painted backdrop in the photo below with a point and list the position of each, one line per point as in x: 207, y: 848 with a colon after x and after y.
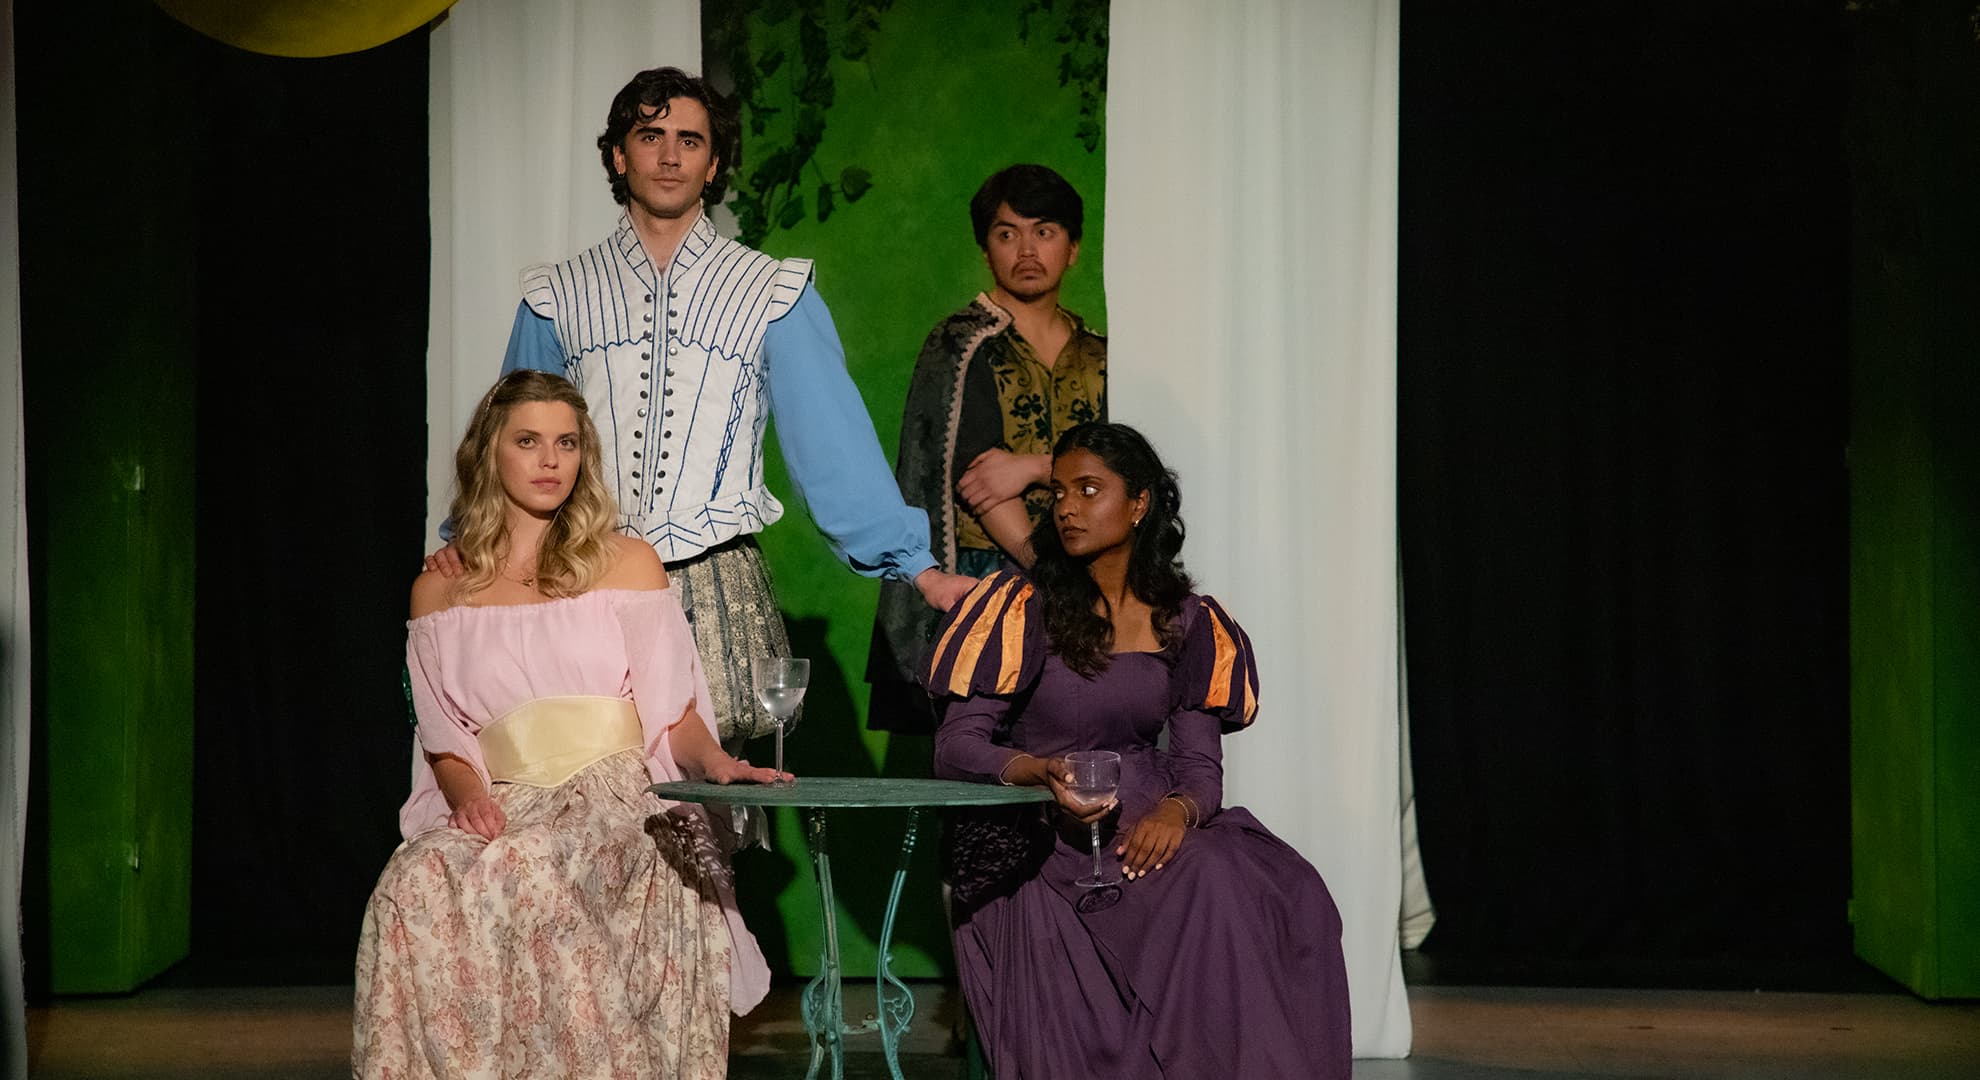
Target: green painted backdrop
x: 1915, y: 497
x: 107, y: 339
x: 946, y: 94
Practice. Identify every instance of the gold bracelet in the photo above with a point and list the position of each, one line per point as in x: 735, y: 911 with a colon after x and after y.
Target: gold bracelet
x: 1188, y: 804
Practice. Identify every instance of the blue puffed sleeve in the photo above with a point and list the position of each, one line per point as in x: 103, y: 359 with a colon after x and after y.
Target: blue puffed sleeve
x: 832, y: 453
x: 533, y: 344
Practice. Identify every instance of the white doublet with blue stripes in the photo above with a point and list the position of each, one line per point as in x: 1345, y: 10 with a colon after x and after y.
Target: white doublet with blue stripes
x: 673, y: 369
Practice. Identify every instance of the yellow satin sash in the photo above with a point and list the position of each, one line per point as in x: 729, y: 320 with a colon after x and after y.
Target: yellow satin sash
x: 547, y: 741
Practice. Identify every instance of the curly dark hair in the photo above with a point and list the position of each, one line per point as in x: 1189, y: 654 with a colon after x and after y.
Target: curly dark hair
x: 1032, y: 190
x: 1082, y: 636
x: 652, y: 89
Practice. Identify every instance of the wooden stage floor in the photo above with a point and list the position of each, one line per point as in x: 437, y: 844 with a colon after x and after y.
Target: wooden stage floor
x: 1462, y: 1033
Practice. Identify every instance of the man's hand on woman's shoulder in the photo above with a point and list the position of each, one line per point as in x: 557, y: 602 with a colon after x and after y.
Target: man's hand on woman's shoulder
x: 943, y: 590
x: 447, y: 561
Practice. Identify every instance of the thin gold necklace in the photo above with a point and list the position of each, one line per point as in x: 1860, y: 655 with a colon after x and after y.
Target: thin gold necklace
x: 527, y: 579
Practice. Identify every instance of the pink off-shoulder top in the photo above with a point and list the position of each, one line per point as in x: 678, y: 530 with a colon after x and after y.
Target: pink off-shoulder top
x: 471, y: 665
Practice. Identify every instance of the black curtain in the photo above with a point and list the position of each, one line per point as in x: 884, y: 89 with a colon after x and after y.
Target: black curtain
x: 1623, y: 337
x: 312, y: 297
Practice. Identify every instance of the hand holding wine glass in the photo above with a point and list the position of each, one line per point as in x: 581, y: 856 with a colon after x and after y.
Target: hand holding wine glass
x: 1086, y: 789
x: 1056, y: 775
x: 780, y: 682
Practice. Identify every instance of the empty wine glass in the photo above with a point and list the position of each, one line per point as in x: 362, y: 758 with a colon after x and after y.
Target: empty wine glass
x: 779, y: 682
x: 1096, y: 778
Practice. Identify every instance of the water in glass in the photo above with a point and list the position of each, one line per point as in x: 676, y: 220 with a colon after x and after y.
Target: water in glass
x: 1096, y: 778
x: 779, y: 682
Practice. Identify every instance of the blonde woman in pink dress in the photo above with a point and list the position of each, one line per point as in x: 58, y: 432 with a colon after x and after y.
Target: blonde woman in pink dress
x: 547, y: 915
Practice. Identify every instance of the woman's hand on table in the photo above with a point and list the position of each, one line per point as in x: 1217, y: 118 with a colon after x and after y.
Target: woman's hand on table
x: 728, y: 770
x: 699, y: 755
x: 1154, y: 840
x: 483, y: 817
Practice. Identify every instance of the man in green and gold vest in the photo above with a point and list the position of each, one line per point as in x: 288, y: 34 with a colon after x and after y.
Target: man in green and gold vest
x: 996, y: 384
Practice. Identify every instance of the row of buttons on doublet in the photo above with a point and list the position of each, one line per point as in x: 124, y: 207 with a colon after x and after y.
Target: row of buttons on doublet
x: 673, y: 349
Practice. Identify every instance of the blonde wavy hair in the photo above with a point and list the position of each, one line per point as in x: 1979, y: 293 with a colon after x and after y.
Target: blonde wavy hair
x: 577, y: 547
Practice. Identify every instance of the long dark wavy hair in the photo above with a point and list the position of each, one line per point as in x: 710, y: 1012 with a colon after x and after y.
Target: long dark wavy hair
x: 1074, y: 621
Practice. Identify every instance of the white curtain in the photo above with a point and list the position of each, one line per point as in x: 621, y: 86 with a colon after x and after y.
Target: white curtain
x: 517, y: 96
x: 1250, y: 263
x: 1418, y: 914
x: 14, y: 676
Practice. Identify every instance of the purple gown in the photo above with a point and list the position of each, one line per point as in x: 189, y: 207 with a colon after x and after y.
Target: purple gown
x: 1225, y: 963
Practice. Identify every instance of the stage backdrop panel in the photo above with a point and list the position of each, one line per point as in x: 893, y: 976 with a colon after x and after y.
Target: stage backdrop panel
x: 1623, y: 316
x: 109, y: 391
x: 1252, y: 206
x: 312, y: 502
x: 927, y: 99
x: 1914, y: 466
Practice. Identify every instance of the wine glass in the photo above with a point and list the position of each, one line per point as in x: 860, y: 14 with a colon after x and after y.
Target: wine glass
x: 779, y: 682
x: 1096, y: 778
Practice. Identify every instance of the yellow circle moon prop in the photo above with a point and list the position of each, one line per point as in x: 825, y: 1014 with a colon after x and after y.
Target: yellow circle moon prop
x: 304, y: 28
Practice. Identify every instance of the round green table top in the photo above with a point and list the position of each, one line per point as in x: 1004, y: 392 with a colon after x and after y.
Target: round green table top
x: 852, y: 791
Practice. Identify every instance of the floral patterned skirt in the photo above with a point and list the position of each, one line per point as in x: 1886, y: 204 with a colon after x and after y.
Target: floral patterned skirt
x: 585, y: 941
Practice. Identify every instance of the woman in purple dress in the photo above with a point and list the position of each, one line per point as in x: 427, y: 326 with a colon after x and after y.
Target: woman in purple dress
x: 1219, y: 953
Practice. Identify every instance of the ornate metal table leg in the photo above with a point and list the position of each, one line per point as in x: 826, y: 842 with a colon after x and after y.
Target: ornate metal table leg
x: 895, y: 1003
x: 824, y: 1018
